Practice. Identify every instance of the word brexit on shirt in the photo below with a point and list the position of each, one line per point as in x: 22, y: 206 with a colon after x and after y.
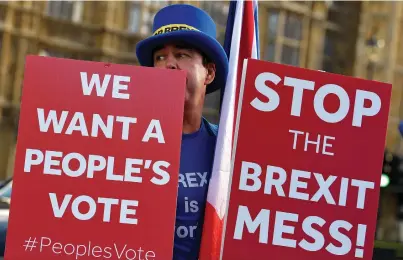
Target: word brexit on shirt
x: 308, y: 156
x: 192, y: 190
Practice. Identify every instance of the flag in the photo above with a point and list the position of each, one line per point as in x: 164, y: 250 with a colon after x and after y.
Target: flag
x: 241, y: 41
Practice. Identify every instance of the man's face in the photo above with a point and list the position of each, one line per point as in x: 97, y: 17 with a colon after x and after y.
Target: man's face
x: 199, y: 72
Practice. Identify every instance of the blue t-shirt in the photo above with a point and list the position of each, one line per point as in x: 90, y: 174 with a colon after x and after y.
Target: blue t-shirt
x: 197, y: 154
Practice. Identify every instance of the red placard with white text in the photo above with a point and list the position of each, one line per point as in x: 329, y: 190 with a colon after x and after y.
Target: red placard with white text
x: 308, y: 152
x: 96, y: 143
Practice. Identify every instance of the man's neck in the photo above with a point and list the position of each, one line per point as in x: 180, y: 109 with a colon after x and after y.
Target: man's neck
x: 191, y: 120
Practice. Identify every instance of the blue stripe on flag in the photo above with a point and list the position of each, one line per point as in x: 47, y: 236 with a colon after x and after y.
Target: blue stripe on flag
x: 228, y: 38
x: 256, y: 14
x: 229, y: 27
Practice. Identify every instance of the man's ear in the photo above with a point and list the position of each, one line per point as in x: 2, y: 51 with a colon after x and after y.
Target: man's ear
x: 210, y: 73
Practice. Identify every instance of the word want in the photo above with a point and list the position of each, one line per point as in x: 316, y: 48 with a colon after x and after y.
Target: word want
x: 78, y: 123
x: 300, y: 85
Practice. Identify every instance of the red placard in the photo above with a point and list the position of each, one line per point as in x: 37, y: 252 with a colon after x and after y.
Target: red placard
x: 307, y: 165
x: 96, y: 170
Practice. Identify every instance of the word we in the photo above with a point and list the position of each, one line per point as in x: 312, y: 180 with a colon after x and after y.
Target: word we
x: 117, y: 85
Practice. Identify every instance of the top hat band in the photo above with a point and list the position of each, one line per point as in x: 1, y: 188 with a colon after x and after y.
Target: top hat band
x: 174, y: 27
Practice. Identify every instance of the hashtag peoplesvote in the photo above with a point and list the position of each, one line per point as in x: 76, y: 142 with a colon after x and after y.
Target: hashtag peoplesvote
x: 48, y: 247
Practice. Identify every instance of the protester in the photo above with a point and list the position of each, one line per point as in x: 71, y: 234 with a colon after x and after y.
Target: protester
x: 184, y: 38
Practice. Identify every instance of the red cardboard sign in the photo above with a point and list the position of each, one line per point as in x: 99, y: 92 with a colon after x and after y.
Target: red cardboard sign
x: 307, y: 165
x: 96, y: 171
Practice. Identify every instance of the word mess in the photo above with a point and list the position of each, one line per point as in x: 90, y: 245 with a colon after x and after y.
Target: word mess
x: 300, y: 85
x: 262, y: 222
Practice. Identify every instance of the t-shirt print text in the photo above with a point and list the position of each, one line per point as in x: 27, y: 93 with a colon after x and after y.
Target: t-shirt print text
x: 193, y: 179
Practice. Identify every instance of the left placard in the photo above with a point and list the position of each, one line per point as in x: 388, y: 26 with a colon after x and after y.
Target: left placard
x: 96, y: 142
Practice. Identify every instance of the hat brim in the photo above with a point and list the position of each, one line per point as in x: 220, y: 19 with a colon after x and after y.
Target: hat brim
x: 199, y: 40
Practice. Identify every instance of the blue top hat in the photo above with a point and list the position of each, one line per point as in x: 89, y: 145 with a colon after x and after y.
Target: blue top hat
x: 190, y: 25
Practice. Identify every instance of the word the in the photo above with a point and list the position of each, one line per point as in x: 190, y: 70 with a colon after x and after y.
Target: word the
x: 318, y: 143
x: 58, y: 163
x: 299, y: 85
x: 59, y: 209
x: 251, y: 174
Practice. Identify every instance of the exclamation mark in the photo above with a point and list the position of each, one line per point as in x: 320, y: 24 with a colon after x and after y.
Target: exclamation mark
x: 362, y: 230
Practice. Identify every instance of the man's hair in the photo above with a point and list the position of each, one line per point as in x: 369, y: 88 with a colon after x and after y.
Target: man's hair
x: 206, y: 60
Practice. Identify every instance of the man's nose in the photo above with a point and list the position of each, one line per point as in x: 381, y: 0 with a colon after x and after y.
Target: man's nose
x: 171, y: 63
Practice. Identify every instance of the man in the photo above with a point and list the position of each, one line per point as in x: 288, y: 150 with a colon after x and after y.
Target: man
x: 184, y: 39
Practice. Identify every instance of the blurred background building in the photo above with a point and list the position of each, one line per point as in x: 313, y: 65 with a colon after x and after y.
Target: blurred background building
x: 356, y: 38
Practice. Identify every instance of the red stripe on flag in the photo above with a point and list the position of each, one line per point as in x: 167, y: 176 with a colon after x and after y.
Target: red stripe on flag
x: 211, y: 251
